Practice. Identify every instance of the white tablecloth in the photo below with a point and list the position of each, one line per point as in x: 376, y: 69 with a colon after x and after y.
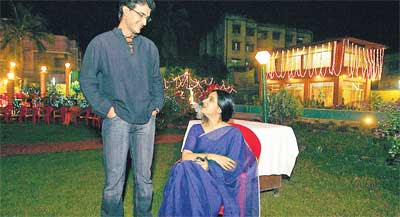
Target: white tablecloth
x: 278, y: 146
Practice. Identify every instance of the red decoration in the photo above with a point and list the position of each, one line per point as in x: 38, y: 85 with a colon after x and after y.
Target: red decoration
x: 364, y: 62
x: 203, y: 87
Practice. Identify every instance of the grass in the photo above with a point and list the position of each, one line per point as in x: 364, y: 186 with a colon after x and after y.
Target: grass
x: 68, y: 184
x: 25, y: 133
x: 15, y: 133
x: 336, y: 174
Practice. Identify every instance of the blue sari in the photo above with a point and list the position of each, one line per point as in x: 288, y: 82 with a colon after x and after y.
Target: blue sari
x: 193, y: 191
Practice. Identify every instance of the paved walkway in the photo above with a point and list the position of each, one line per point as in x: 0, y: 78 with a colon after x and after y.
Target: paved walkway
x: 47, y: 147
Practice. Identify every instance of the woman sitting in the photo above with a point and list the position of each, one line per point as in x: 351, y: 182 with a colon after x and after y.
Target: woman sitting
x: 217, y: 168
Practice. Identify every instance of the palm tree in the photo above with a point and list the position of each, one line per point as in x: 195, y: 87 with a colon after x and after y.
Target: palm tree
x: 171, y: 27
x: 25, y: 25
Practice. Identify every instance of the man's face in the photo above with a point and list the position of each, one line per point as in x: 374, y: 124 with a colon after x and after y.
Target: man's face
x: 136, y: 18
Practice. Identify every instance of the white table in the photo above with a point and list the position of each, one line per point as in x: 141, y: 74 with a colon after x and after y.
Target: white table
x: 278, y: 146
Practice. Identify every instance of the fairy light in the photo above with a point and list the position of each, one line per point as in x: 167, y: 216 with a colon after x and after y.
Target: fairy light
x: 360, y: 60
x: 184, y: 82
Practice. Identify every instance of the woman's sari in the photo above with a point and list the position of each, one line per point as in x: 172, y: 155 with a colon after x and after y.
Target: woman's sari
x: 193, y: 191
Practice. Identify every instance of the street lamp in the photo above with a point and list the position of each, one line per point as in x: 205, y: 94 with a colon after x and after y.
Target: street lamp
x: 10, y: 76
x: 43, y: 81
x: 10, y: 83
x: 263, y: 59
x: 67, y: 78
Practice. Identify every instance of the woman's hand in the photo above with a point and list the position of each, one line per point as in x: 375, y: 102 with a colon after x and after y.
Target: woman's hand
x: 225, y: 162
x: 202, y: 162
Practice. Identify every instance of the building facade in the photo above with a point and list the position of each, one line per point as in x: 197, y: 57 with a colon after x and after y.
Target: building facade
x: 388, y: 88
x: 328, y: 73
x: 57, y: 54
x: 235, y: 40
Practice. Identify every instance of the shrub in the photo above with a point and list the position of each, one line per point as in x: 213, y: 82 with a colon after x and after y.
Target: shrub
x: 171, y: 112
x: 388, y: 131
x: 283, y: 107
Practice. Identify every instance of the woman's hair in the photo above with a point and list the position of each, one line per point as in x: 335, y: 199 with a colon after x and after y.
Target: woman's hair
x: 225, y: 102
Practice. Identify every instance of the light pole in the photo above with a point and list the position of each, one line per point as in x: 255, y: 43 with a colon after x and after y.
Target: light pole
x: 263, y: 59
x: 43, y: 81
x: 10, y: 83
x: 67, y: 80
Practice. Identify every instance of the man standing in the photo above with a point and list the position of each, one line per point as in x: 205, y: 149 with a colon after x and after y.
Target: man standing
x: 121, y: 79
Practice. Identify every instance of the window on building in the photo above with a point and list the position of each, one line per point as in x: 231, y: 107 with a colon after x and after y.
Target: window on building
x: 300, y: 40
x: 289, y: 38
x: 273, y: 89
x: 59, y: 62
x: 276, y: 36
x: 297, y: 90
x: 255, y: 75
x: 249, y: 48
x: 249, y: 31
x: 353, y: 93
x: 236, y: 28
x: 322, y: 93
x: 235, y: 62
x: 236, y: 46
x: 262, y: 35
x: 317, y: 57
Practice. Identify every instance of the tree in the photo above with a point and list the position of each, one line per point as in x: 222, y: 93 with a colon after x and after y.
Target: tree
x: 170, y: 26
x: 214, y: 67
x: 25, y: 25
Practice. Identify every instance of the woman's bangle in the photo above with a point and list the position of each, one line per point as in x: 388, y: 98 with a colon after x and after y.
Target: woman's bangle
x: 200, y: 159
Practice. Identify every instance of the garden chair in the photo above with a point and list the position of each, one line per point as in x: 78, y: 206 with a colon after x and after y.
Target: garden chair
x: 36, y: 114
x: 72, y: 114
x: 86, y: 114
x: 96, y: 121
x: 60, y: 113
x: 8, y: 113
x: 1, y: 112
x: 24, y: 113
x: 47, y: 114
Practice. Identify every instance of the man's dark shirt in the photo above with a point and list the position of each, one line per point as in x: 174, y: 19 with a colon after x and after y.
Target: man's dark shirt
x: 111, y: 75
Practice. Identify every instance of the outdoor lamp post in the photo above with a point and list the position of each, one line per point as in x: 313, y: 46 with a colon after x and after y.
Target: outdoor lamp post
x: 10, y: 83
x: 263, y: 59
x: 67, y: 78
x: 43, y: 81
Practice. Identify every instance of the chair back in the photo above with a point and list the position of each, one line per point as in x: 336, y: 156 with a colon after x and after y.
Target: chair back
x: 8, y: 109
x: 48, y: 110
x: 251, y: 139
x: 63, y: 110
x: 23, y: 110
x: 88, y: 112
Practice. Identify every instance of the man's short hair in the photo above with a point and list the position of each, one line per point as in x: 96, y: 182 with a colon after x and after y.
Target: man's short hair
x: 133, y: 3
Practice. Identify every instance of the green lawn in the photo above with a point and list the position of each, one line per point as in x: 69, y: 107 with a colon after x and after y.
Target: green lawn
x: 337, y: 174
x: 15, y: 133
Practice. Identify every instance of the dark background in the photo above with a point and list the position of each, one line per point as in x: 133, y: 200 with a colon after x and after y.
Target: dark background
x: 376, y: 21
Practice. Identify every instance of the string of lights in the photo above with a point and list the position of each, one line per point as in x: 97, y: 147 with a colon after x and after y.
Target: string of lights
x: 318, y: 60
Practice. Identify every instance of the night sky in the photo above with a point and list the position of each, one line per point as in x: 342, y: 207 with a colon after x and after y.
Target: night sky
x: 368, y: 20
